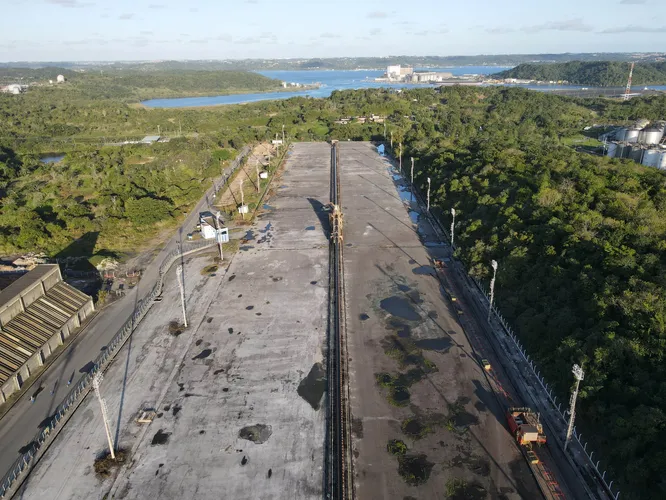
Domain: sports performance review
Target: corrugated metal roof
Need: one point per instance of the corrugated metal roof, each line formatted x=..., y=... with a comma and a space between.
x=25, y=281
x=24, y=335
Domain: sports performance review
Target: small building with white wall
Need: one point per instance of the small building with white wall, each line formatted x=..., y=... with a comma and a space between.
x=60, y=79
x=209, y=227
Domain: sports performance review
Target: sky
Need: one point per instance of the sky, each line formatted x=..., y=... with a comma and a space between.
x=95, y=30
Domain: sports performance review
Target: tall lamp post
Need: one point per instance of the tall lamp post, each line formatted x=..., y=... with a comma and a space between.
x=453, y=225
x=218, y=234
x=181, y=287
x=428, y=197
x=578, y=374
x=492, y=288
x=105, y=417
x=401, y=157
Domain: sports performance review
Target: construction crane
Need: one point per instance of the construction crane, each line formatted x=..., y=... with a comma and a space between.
x=628, y=89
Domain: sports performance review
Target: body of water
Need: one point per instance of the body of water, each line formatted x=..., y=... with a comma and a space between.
x=53, y=158
x=338, y=80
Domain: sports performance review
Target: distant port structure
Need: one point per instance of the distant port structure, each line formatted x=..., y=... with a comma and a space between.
x=405, y=74
x=643, y=141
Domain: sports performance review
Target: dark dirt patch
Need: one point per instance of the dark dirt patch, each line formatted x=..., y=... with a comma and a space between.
x=203, y=354
x=258, y=433
x=396, y=447
x=412, y=261
x=433, y=314
x=363, y=317
x=104, y=464
x=176, y=409
x=209, y=320
x=415, y=428
x=414, y=469
x=257, y=314
x=209, y=269
x=480, y=406
x=400, y=307
x=465, y=419
x=202, y=432
x=198, y=342
x=245, y=248
x=160, y=437
x=244, y=460
x=310, y=228
x=404, y=288
x=230, y=330
x=313, y=282
x=424, y=270
x=232, y=277
x=217, y=372
x=459, y=489
x=278, y=278
x=249, y=308
x=401, y=329
x=438, y=344
x=312, y=387
x=176, y=328
x=357, y=427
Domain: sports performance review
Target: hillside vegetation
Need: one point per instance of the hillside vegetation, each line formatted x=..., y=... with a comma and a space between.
x=595, y=74
x=136, y=85
x=579, y=238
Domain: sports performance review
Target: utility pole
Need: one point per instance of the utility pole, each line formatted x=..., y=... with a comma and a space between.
x=401, y=157
x=412, y=177
x=391, y=141
x=492, y=288
x=384, y=131
x=256, y=167
x=179, y=275
x=218, y=235
x=578, y=374
x=105, y=417
x=158, y=130
x=428, y=197
x=242, y=198
x=453, y=225
x=180, y=129
x=283, y=133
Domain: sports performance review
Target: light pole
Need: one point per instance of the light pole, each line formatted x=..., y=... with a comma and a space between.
x=242, y=198
x=384, y=131
x=492, y=288
x=256, y=167
x=578, y=374
x=453, y=225
x=179, y=275
x=95, y=382
x=401, y=157
x=218, y=235
x=412, y=179
x=428, y=197
x=391, y=142
x=283, y=133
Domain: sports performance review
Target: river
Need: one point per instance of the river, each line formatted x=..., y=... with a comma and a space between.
x=334, y=80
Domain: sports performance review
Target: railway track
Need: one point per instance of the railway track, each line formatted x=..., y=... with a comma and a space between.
x=339, y=477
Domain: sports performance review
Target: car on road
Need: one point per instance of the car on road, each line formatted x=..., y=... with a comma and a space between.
x=486, y=364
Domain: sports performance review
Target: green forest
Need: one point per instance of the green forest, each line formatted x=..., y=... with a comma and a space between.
x=593, y=73
x=136, y=85
x=580, y=238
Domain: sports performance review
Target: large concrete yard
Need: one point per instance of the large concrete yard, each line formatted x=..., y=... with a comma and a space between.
x=397, y=321
x=257, y=328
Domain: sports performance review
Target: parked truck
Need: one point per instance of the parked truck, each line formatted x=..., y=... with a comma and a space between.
x=525, y=426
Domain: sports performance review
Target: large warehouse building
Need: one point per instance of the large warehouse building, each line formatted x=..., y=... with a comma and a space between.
x=37, y=313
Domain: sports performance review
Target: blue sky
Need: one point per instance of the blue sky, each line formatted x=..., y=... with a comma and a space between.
x=70, y=30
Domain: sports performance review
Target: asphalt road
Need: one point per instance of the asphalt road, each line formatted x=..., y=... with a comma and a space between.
x=20, y=425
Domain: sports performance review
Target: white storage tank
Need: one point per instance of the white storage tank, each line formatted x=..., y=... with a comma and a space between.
x=651, y=135
x=661, y=164
x=612, y=148
x=651, y=157
x=632, y=135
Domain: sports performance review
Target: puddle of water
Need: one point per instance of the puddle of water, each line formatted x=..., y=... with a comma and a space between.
x=266, y=206
x=258, y=433
x=405, y=194
x=400, y=307
x=249, y=235
x=310, y=228
x=160, y=437
x=313, y=282
x=245, y=248
x=433, y=314
x=231, y=330
x=414, y=216
x=313, y=386
x=203, y=354
x=232, y=277
x=268, y=227
x=404, y=288
x=480, y=406
x=431, y=244
x=363, y=316
x=176, y=409
x=198, y=342
x=249, y=308
x=412, y=261
x=421, y=270
x=438, y=344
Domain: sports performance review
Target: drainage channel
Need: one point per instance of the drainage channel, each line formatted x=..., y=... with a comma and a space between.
x=339, y=481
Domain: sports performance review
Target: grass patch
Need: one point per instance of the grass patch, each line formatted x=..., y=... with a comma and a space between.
x=396, y=447
x=176, y=328
x=209, y=269
x=459, y=489
x=105, y=465
x=415, y=428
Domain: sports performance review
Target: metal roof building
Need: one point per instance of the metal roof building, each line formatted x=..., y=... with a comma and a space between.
x=37, y=313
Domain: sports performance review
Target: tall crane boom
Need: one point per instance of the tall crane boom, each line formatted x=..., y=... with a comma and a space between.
x=628, y=89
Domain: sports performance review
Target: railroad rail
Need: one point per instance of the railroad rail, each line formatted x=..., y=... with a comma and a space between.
x=339, y=476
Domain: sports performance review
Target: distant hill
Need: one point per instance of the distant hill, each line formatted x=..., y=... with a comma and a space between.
x=595, y=74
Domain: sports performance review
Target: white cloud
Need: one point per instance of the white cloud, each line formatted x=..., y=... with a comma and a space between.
x=375, y=31
x=73, y=4
x=330, y=35
x=125, y=17
x=632, y=28
x=378, y=14
x=634, y=2
x=568, y=25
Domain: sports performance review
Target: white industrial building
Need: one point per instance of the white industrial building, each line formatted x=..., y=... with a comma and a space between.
x=13, y=88
x=642, y=142
x=210, y=227
x=60, y=79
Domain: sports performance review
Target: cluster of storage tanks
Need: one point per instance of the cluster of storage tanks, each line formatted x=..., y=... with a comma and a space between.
x=641, y=142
